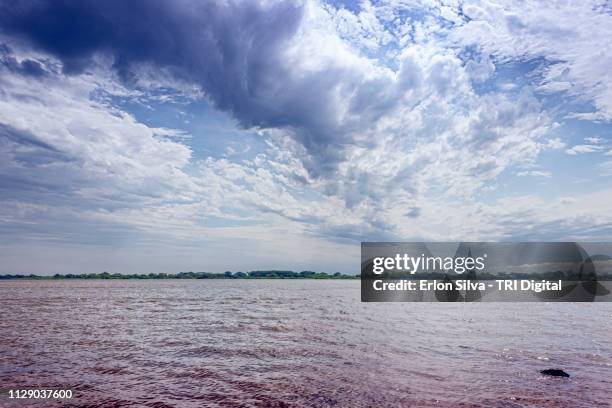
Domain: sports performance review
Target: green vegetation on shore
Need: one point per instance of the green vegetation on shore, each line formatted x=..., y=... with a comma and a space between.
x=193, y=275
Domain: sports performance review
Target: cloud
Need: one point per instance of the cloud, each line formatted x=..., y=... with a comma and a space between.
x=571, y=38
x=61, y=147
x=252, y=59
x=585, y=148
x=593, y=140
x=283, y=65
x=27, y=67
x=357, y=131
x=555, y=143
x=272, y=65
x=535, y=173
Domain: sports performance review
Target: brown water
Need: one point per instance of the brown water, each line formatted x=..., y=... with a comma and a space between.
x=197, y=343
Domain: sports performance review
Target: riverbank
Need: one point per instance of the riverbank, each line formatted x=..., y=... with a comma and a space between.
x=272, y=274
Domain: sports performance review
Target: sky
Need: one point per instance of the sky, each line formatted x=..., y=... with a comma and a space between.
x=185, y=135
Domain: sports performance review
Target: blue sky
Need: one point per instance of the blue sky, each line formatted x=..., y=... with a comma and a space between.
x=180, y=135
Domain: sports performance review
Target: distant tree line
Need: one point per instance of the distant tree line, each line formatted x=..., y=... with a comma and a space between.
x=193, y=275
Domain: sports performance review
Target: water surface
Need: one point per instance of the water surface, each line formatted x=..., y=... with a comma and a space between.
x=194, y=343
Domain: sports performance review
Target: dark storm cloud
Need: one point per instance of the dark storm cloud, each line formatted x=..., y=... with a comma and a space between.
x=26, y=67
x=229, y=48
x=232, y=50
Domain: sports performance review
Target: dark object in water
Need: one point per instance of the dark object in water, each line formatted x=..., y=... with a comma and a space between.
x=555, y=372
